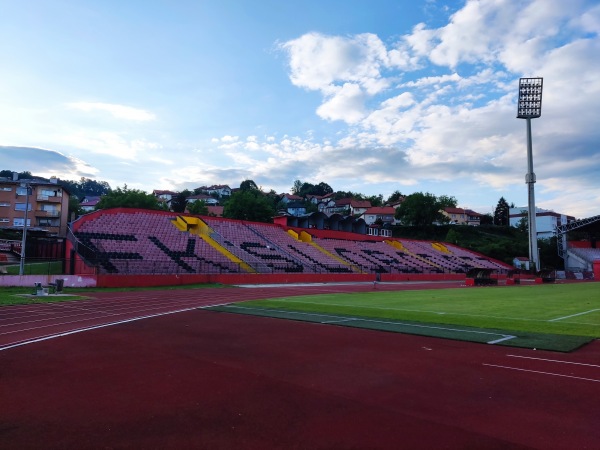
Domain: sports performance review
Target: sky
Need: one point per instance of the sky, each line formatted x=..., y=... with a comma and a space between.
x=368, y=96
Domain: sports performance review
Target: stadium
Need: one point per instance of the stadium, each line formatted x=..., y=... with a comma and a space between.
x=122, y=245
x=182, y=331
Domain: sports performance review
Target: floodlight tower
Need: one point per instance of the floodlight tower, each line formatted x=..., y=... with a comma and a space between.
x=530, y=107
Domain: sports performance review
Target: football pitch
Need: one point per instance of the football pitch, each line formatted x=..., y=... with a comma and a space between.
x=558, y=317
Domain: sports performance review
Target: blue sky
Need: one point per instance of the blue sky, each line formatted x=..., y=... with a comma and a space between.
x=367, y=96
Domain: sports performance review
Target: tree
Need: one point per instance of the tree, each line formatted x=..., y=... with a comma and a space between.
x=322, y=189
x=452, y=236
x=501, y=213
x=395, y=197
x=248, y=185
x=420, y=209
x=20, y=176
x=86, y=187
x=297, y=187
x=523, y=224
x=375, y=200
x=179, y=201
x=128, y=198
x=249, y=205
x=303, y=189
x=74, y=208
x=198, y=207
x=446, y=201
x=486, y=219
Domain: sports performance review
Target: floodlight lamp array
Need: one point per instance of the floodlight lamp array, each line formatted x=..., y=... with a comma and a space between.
x=530, y=98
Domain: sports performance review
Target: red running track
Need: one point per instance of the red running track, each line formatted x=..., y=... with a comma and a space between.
x=202, y=379
x=24, y=324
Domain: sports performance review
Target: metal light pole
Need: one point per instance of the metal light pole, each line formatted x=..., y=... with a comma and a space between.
x=530, y=107
x=24, y=237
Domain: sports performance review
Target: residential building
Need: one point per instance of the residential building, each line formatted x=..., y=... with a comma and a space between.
x=43, y=203
x=221, y=189
x=290, y=198
x=295, y=208
x=344, y=206
x=545, y=221
x=88, y=204
x=384, y=214
x=461, y=216
x=203, y=197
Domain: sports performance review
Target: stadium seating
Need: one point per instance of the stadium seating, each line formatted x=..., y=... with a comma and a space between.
x=146, y=242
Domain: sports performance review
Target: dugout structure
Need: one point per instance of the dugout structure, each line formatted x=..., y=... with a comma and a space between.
x=481, y=277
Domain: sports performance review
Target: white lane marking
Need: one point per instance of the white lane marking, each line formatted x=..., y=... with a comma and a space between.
x=358, y=319
x=338, y=321
x=574, y=315
x=543, y=373
x=116, y=309
x=95, y=327
x=507, y=337
x=554, y=360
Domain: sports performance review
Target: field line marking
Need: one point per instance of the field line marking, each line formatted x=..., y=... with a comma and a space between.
x=359, y=319
x=574, y=315
x=554, y=360
x=414, y=310
x=543, y=373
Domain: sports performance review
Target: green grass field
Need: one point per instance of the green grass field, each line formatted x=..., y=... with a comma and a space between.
x=40, y=268
x=553, y=316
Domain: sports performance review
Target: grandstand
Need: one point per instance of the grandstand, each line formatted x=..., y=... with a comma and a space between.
x=124, y=241
x=581, y=256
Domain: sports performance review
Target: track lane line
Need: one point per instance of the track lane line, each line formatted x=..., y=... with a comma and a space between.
x=554, y=360
x=541, y=372
x=95, y=327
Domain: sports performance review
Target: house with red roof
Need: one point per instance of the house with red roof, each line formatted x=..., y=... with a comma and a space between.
x=461, y=216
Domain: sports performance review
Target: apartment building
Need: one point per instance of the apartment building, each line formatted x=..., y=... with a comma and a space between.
x=43, y=203
x=546, y=221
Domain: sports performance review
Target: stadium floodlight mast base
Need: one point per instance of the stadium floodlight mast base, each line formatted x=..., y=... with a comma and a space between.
x=530, y=107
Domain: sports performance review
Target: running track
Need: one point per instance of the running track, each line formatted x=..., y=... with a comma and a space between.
x=23, y=324
x=202, y=379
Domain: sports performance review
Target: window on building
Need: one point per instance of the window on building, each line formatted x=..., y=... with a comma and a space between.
x=23, y=190
x=20, y=222
x=4, y=204
x=21, y=207
x=4, y=220
x=45, y=222
x=5, y=189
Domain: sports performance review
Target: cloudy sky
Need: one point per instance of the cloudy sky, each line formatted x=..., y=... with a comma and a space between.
x=367, y=96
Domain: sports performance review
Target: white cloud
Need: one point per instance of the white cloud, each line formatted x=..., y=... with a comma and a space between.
x=117, y=111
x=111, y=143
x=346, y=103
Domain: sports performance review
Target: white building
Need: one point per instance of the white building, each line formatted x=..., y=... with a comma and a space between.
x=545, y=221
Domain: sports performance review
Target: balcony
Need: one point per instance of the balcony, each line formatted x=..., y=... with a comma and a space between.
x=42, y=213
x=49, y=198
